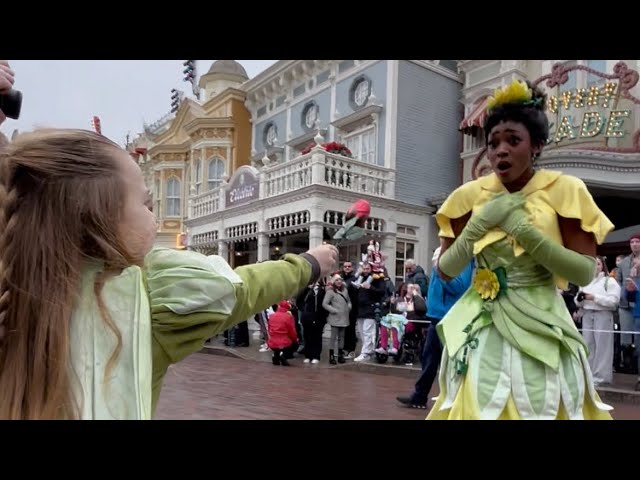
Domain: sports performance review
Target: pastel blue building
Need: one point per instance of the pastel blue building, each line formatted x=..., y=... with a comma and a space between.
x=400, y=121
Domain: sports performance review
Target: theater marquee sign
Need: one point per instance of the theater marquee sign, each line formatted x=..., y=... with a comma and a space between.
x=598, y=117
x=593, y=115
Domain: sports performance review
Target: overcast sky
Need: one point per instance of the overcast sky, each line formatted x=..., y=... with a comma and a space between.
x=123, y=93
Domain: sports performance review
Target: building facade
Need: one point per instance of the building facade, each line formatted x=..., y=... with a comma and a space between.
x=399, y=123
x=193, y=152
x=594, y=114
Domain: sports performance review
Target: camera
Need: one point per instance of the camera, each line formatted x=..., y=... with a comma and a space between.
x=11, y=103
x=580, y=296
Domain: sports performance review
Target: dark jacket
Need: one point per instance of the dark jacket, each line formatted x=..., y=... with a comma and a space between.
x=420, y=278
x=310, y=305
x=368, y=297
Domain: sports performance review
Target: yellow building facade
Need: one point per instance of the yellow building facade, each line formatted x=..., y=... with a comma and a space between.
x=196, y=150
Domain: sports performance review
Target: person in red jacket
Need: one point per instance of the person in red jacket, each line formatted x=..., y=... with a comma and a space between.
x=282, y=332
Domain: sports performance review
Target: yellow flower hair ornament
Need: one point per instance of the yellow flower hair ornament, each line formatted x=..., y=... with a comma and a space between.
x=516, y=92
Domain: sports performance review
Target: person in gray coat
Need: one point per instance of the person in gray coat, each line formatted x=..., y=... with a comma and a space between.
x=337, y=303
x=625, y=312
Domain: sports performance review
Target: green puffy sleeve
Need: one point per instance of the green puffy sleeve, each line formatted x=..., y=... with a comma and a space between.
x=193, y=297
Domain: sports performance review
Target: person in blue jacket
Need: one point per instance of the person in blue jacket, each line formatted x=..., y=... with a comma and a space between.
x=632, y=287
x=442, y=296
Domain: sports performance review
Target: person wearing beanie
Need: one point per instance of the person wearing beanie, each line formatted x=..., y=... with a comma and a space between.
x=338, y=304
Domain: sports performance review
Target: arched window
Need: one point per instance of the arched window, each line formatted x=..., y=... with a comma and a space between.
x=173, y=197
x=216, y=171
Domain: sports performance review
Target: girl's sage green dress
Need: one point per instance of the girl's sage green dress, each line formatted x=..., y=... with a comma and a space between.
x=518, y=355
x=163, y=312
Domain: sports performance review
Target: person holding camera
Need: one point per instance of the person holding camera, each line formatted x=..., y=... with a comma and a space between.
x=7, y=79
x=598, y=301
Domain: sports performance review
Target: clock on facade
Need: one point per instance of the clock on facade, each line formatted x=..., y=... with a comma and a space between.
x=311, y=116
x=271, y=135
x=361, y=93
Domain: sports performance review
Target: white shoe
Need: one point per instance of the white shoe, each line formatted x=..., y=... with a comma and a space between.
x=306, y=360
x=363, y=357
x=393, y=351
x=381, y=351
x=315, y=360
x=264, y=348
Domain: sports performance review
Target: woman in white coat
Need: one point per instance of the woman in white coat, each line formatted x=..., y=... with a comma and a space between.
x=599, y=300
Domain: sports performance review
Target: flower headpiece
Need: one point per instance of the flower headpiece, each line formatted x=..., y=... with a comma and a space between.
x=516, y=92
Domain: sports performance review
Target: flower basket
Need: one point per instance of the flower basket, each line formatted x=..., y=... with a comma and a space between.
x=331, y=147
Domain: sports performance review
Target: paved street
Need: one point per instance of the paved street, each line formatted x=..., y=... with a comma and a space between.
x=215, y=387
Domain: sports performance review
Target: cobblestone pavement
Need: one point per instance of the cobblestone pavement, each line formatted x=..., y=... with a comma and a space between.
x=214, y=387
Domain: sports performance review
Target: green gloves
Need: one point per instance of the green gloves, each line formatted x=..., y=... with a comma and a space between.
x=575, y=267
x=505, y=210
x=458, y=255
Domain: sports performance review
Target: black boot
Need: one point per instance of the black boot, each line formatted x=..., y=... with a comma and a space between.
x=275, y=359
x=283, y=360
x=340, y=356
x=332, y=358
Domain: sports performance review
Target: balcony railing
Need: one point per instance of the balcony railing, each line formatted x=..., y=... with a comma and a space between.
x=315, y=168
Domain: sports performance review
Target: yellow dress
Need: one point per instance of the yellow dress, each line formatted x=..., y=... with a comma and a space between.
x=519, y=356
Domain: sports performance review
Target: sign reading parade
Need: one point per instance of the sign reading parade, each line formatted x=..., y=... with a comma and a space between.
x=600, y=115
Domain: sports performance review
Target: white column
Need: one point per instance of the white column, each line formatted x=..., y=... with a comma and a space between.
x=317, y=167
x=263, y=247
x=431, y=241
x=332, y=107
x=316, y=220
x=223, y=250
x=388, y=247
x=315, y=235
x=288, y=132
x=391, y=119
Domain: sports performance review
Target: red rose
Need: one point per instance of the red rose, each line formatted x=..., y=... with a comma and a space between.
x=361, y=209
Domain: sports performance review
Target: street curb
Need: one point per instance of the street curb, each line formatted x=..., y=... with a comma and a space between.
x=607, y=394
x=225, y=352
x=618, y=395
x=383, y=369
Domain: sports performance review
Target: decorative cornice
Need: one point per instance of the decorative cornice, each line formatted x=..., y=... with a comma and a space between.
x=268, y=75
x=624, y=167
x=306, y=138
x=228, y=94
x=219, y=124
x=439, y=69
x=169, y=148
x=347, y=121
